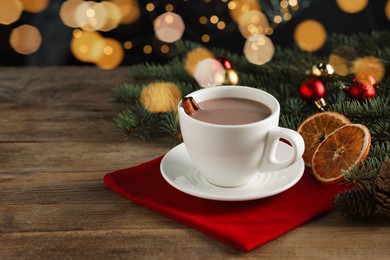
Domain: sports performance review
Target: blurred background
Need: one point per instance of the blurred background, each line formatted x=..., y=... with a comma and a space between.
x=113, y=33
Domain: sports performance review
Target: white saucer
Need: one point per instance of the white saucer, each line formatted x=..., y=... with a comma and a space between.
x=177, y=169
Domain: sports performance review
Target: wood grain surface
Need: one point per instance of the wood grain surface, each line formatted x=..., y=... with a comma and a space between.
x=57, y=141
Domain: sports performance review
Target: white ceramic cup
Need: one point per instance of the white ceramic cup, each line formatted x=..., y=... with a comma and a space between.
x=232, y=155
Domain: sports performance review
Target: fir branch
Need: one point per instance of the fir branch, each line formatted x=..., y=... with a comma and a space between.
x=138, y=122
x=291, y=121
x=374, y=107
x=379, y=128
x=169, y=124
x=293, y=106
x=171, y=71
x=126, y=93
x=364, y=175
x=363, y=44
x=380, y=150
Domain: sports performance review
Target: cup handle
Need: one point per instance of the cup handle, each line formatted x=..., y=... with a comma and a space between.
x=269, y=161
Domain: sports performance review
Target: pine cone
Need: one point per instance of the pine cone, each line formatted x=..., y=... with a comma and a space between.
x=355, y=203
x=382, y=189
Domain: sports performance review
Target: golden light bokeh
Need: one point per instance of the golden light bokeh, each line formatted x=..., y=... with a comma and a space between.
x=128, y=45
x=194, y=56
x=160, y=97
x=164, y=49
x=352, y=6
x=150, y=7
x=387, y=10
x=278, y=19
x=252, y=23
x=130, y=10
x=91, y=16
x=169, y=27
x=221, y=25
x=169, y=8
x=310, y=35
x=368, y=69
x=147, y=49
x=240, y=7
x=34, y=6
x=113, y=16
x=214, y=19
x=259, y=49
x=87, y=46
x=25, y=39
x=203, y=20
x=112, y=54
x=205, y=37
x=10, y=11
x=341, y=59
x=67, y=12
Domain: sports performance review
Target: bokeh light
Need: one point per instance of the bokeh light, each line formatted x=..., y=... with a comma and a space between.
x=160, y=97
x=169, y=8
x=209, y=72
x=240, y=7
x=10, y=11
x=368, y=69
x=205, y=37
x=113, y=16
x=387, y=10
x=91, y=16
x=221, y=25
x=169, y=27
x=214, y=19
x=310, y=35
x=194, y=56
x=203, y=19
x=112, y=55
x=252, y=23
x=87, y=46
x=25, y=39
x=352, y=6
x=130, y=10
x=128, y=45
x=147, y=49
x=150, y=7
x=259, y=49
x=67, y=12
x=341, y=59
x=34, y=6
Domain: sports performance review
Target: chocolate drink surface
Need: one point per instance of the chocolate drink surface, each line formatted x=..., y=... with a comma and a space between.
x=231, y=111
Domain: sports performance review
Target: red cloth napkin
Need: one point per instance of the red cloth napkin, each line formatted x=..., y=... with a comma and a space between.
x=244, y=225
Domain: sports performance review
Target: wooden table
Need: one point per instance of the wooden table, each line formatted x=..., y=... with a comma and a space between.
x=57, y=141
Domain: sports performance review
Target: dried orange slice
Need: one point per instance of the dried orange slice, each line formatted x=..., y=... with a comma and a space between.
x=341, y=150
x=316, y=128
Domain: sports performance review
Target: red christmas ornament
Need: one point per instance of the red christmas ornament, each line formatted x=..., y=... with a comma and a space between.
x=361, y=91
x=313, y=90
x=225, y=62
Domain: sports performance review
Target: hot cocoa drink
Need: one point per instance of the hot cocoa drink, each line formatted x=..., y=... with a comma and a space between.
x=231, y=111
